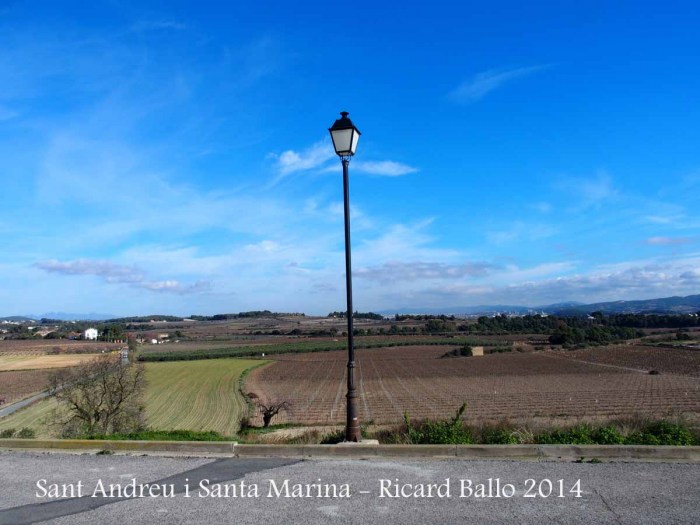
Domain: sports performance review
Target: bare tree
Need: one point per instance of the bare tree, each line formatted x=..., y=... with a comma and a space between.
x=270, y=409
x=102, y=396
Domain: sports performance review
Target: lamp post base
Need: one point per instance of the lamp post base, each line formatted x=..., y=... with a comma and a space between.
x=353, y=433
x=362, y=442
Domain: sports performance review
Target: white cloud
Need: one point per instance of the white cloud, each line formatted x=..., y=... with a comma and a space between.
x=515, y=274
x=589, y=192
x=663, y=219
x=120, y=274
x=544, y=284
x=265, y=246
x=483, y=83
x=314, y=156
x=387, y=168
x=414, y=271
x=317, y=156
x=177, y=287
x=110, y=272
x=519, y=231
x=403, y=242
x=668, y=241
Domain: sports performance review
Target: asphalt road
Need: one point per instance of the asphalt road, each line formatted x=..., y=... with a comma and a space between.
x=32, y=489
x=6, y=410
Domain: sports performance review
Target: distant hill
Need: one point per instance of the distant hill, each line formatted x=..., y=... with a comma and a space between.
x=461, y=310
x=16, y=319
x=666, y=305
x=146, y=319
x=63, y=316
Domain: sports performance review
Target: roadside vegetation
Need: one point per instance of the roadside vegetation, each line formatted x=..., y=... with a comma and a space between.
x=22, y=433
x=623, y=431
x=454, y=431
x=166, y=435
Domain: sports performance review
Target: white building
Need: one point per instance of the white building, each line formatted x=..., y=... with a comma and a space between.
x=91, y=333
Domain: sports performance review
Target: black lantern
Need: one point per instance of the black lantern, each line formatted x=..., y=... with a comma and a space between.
x=345, y=136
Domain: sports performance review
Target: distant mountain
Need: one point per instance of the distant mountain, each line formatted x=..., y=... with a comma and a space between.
x=63, y=316
x=16, y=319
x=666, y=305
x=461, y=310
x=556, y=306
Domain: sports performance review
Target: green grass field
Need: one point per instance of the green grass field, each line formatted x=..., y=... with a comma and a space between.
x=196, y=395
x=190, y=395
x=33, y=417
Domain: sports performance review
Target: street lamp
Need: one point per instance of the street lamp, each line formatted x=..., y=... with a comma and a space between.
x=345, y=136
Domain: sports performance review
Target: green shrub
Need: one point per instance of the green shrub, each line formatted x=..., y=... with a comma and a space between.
x=578, y=435
x=451, y=432
x=333, y=438
x=662, y=433
x=499, y=436
x=7, y=433
x=454, y=431
x=444, y=433
x=608, y=436
x=465, y=351
x=26, y=433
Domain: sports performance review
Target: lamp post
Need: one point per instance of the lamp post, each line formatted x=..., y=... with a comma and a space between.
x=345, y=136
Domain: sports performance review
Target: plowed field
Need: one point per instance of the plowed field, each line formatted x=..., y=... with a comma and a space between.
x=516, y=386
x=668, y=360
x=15, y=386
x=29, y=347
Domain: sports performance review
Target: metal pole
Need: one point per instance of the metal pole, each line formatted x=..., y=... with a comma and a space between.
x=352, y=429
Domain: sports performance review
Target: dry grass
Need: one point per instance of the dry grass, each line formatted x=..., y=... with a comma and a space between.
x=39, y=362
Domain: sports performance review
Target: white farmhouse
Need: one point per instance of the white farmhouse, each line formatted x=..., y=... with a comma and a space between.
x=91, y=334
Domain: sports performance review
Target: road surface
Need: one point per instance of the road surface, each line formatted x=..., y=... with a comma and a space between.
x=6, y=410
x=36, y=488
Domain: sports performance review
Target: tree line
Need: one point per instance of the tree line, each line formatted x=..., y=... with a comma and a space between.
x=358, y=315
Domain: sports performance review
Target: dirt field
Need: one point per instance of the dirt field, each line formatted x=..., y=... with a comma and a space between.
x=53, y=346
x=38, y=362
x=511, y=385
x=15, y=386
x=667, y=360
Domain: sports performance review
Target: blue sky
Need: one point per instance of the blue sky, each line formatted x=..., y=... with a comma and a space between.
x=173, y=157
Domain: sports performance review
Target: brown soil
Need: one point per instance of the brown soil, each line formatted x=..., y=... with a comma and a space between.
x=513, y=385
x=667, y=360
x=15, y=386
